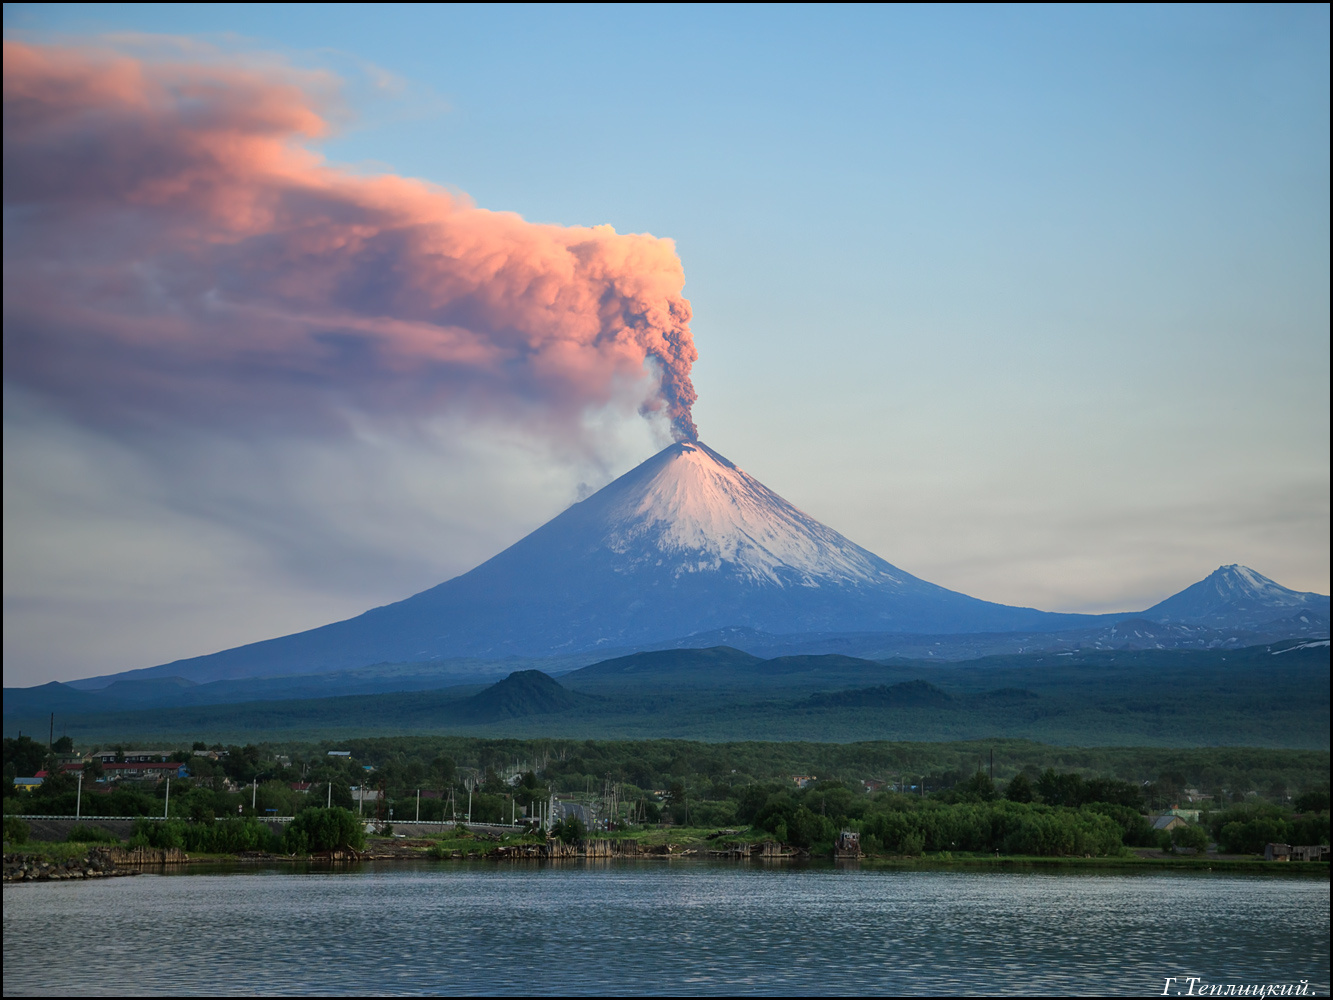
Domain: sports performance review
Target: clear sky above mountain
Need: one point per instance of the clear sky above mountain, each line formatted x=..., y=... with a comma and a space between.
x=1030, y=301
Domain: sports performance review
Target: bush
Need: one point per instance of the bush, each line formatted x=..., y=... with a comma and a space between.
x=1250, y=837
x=228, y=836
x=1312, y=828
x=323, y=830
x=16, y=831
x=1135, y=830
x=806, y=829
x=1012, y=827
x=80, y=834
x=1190, y=837
x=570, y=830
x=1061, y=832
x=896, y=833
x=713, y=813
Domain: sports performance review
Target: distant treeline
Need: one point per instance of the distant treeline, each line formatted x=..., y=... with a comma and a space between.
x=1059, y=814
x=722, y=784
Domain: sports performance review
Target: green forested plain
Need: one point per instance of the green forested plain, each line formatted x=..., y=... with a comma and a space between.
x=1259, y=697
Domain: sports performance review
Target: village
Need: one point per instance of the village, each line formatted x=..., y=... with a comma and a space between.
x=116, y=789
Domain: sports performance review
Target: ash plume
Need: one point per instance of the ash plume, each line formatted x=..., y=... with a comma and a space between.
x=175, y=249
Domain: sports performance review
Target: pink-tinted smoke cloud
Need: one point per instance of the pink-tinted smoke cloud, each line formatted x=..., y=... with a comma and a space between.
x=174, y=249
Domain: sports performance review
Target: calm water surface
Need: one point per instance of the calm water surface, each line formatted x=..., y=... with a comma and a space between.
x=660, y=928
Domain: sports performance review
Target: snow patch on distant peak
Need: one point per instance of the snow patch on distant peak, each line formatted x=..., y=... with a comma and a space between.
x=1236, y=580
x=700, y=513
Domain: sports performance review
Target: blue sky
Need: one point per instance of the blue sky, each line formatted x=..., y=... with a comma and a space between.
x=1032, y=301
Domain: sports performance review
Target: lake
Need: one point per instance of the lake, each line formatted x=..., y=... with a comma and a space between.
x=676, y=927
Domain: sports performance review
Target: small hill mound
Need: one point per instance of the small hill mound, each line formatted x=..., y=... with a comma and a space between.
x=813, y=663
x=524, y=692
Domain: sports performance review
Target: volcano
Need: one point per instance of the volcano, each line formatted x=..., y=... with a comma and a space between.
x=1237, y=597
x=684, y=543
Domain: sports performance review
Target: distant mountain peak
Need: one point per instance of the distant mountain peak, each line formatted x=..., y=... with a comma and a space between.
x=1236, y=596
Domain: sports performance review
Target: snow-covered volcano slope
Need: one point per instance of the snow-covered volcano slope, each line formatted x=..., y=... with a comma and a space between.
x=684, y=543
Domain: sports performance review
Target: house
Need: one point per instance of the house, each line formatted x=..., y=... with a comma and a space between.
x=301, y=786
x=1168, y=821
x=802, y=780
x=144, y=770
x=27, y=784
x=873, y=784
x=132, y=756
x=147, y=756
x=340, y=753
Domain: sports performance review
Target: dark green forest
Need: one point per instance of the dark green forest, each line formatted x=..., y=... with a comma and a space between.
x=1252, y=697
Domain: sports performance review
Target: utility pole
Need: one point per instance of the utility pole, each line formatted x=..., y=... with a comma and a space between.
x=78, y=798
x=469, y=802
x=330, y=787
x=254, y=791
x=166, y=803
x=418, y=805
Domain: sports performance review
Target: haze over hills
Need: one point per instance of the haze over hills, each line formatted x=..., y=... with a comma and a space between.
x=689, y=550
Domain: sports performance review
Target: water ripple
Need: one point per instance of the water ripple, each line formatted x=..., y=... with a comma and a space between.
x=660, y=929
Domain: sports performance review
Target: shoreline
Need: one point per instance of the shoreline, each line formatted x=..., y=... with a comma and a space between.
x=32, y=864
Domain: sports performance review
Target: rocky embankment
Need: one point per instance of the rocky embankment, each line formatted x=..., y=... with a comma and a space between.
x=97, y=863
